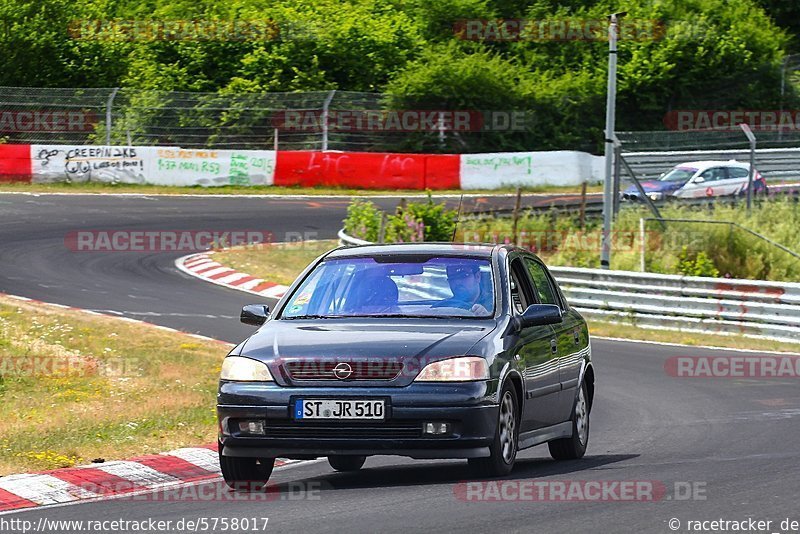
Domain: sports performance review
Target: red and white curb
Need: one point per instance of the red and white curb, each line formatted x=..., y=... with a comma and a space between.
x=114, y=479
x=109, y=478
x=204, y=267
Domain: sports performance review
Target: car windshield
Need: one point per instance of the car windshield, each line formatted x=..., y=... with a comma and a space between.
x=395, y=287
x=678, y=174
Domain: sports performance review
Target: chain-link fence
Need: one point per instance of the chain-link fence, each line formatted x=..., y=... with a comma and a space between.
x=322, y=120
x=729, y=138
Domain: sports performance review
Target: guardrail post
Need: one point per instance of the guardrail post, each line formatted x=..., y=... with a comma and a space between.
x=611, y=102
x=325, y=107
x=515, y=221
x=752, y=139
x=109, y=103
x=643, y=248
x=617, y=175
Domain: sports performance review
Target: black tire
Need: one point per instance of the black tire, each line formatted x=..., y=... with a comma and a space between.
x=575, y=447
x=503, y=450
x=246, y=474
x=347, y=463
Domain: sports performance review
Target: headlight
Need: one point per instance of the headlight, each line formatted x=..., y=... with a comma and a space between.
x=655, y=196
x=244, y=370
x=455, y=370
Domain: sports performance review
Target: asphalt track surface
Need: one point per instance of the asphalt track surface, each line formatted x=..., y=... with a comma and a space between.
x=734, y=441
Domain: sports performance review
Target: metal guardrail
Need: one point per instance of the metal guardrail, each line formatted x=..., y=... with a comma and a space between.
x=776, y=164
x=754, y=308
x=710, y=305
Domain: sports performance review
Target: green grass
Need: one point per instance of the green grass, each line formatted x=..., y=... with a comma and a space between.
x=75, y=387
x=262, y=190
x=279, y=263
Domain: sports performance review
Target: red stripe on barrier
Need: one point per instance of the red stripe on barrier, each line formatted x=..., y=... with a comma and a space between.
x=9, y=501
x=174, y=466
x=15, y=163
x=97, y=481
x=363, y=170
x=443, y=171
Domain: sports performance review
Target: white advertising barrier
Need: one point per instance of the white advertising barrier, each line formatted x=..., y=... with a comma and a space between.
x=565, y=167
x=151, y=165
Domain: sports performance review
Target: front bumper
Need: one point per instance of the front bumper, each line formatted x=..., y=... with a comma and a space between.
x=470, y=409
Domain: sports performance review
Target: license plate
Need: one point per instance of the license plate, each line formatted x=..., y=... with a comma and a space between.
x=339, y=409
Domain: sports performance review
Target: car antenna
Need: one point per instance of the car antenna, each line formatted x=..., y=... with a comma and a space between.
x=458, y=215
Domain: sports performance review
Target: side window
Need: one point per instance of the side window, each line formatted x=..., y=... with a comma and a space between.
x=738, y=172
x=714, y=174
x=521, y=296
x=544, y=290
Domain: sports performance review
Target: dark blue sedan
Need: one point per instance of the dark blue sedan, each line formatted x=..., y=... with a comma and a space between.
x=421, y=350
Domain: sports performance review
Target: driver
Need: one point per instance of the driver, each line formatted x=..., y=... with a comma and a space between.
x=465, y=283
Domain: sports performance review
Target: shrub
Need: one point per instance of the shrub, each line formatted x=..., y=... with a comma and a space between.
x=421, y=221
x=363, y=220
x=699, y=265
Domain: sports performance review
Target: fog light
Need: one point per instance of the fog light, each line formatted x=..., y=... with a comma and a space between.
x=436, y=428
x=252, y=427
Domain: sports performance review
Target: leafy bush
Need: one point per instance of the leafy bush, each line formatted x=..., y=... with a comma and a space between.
x=363, y=220
x=421, y=221
x=699, y=265
x=414, y=221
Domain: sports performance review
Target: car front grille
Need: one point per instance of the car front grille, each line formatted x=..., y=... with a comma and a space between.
x=343, y=430
x=361, y=370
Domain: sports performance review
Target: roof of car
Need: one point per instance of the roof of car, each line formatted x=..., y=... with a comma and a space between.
x=446, y=249
x=704, y=164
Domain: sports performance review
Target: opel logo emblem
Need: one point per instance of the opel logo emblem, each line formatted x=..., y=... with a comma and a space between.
x=342, y=371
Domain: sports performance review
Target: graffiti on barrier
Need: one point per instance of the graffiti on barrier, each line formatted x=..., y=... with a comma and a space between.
x=152, y=165
x=88, y=164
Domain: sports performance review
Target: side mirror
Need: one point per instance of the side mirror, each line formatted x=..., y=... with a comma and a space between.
x=539, y=315
x=254, y=314
x=699, y=180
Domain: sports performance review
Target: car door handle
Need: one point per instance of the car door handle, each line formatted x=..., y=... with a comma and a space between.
x=577, y=334
x=553, y=346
